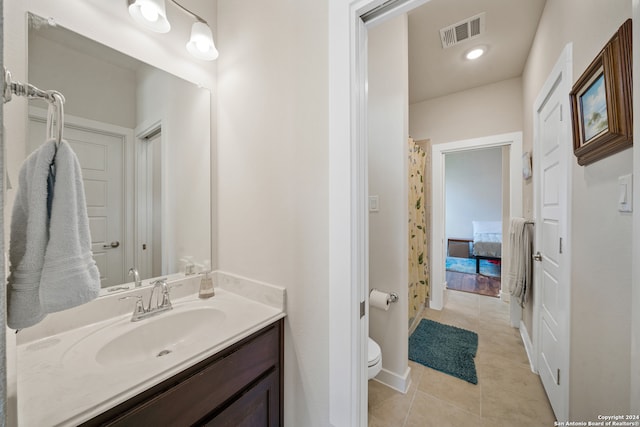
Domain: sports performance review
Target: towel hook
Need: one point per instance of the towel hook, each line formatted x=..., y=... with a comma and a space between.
x=55, y=116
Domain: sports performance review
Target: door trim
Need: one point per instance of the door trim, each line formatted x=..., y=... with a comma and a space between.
x=348, y=262
x=437, y=247
x=561, y=77
x=635, y=278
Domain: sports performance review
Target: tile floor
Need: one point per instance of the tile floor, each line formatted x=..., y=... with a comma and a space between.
x=507, y=393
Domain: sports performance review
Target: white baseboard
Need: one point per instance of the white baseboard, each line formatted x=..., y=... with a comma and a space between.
x=515, y=313
x=528, y=346
x=397, y=382
x=417, y=319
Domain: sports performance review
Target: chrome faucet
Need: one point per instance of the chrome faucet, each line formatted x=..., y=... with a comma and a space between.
x=163, y=302
x=136, y=276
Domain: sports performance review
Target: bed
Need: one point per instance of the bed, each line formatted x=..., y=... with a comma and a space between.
x=487, y=241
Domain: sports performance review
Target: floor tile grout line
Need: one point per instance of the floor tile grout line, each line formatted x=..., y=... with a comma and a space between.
x=406, y=416
x=413, y=398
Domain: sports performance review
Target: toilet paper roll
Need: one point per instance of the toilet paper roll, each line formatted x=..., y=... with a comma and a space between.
x=379, y=299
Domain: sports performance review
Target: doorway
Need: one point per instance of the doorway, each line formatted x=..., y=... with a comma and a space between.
x=474, y=220
x=349, y=205
x=512, y=207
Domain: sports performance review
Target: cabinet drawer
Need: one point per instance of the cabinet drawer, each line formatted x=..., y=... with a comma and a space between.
x=198, y=395
x=257, y=406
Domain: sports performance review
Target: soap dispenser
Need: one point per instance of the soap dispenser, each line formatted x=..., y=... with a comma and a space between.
x=206, y=283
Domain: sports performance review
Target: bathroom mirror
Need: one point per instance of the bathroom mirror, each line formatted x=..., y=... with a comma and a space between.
x=142, y=137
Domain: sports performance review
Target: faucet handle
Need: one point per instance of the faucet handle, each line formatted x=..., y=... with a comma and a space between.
x=139, y=307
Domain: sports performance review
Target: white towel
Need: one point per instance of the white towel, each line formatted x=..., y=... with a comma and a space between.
x=519, y=275
x=28, y=241
x=70, y=276
x=52, y=268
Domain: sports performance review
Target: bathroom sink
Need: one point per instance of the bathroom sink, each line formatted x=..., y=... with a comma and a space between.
x=152, y=338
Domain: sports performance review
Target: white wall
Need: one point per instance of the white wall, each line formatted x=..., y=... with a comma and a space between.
x=487, y=110
x=274, y=176
x=388, y=179
x=601, y=242
x=473, y=190
x=93, y=79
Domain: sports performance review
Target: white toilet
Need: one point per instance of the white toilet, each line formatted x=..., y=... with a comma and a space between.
x=374, y=359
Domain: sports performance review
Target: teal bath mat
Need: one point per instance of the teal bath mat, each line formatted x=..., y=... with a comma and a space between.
x=445, y=348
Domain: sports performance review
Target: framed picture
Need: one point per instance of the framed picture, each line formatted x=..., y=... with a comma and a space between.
x=601, y=102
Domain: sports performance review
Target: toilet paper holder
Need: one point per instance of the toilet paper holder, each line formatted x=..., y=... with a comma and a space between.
x=393, y=296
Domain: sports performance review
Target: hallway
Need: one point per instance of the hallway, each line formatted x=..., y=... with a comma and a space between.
x=507, y=393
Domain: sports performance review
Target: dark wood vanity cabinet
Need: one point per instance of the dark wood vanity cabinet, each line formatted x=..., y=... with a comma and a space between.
x=239, y=386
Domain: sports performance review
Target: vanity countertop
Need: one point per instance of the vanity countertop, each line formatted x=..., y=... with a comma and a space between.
x=62, y=379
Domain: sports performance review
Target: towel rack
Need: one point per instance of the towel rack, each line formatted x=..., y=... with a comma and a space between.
x=55, y=99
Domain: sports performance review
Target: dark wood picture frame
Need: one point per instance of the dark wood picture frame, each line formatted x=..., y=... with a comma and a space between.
x=605, y=129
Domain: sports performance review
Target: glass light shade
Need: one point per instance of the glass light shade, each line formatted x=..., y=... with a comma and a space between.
x=151, y=14
x=201, y=43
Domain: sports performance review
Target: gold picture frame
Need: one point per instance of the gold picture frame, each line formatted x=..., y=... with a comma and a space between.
x=601, y=102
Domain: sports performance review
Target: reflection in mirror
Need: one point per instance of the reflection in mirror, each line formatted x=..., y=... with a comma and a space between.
x=142, y=137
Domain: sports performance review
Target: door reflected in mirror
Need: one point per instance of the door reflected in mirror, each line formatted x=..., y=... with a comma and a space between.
x=142, y=137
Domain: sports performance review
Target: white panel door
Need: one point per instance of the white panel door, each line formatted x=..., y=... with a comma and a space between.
x=551, y=270
x=101, y=158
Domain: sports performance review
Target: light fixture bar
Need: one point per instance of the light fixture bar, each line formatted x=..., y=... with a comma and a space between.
x=197, y=17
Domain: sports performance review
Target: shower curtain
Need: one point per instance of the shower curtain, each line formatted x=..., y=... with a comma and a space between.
x=418, y=260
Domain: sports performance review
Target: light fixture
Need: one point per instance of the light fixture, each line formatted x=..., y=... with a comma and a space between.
x=201, y=43
x=152, y=15
x=475, y=53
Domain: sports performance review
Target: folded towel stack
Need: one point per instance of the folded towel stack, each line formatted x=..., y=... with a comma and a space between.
x=52, y=268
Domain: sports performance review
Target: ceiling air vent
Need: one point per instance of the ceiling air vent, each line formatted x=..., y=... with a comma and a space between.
x=468, y=29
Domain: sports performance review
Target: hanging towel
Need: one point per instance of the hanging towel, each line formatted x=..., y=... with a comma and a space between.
x=519, y=276
x=28, y=241
x=70, y=276
x=52, y=268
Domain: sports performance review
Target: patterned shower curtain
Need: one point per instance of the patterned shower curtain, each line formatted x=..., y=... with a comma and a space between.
x=418, y=260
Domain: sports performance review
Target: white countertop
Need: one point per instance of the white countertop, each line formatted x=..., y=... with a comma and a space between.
x=60, y=382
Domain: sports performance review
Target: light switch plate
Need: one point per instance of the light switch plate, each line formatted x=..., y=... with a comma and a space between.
x=373, y=204
x=625, y=193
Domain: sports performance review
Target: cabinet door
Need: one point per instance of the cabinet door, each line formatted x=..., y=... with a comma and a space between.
x=259, y=406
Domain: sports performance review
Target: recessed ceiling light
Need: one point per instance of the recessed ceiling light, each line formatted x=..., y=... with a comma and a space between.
x=475, y=53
